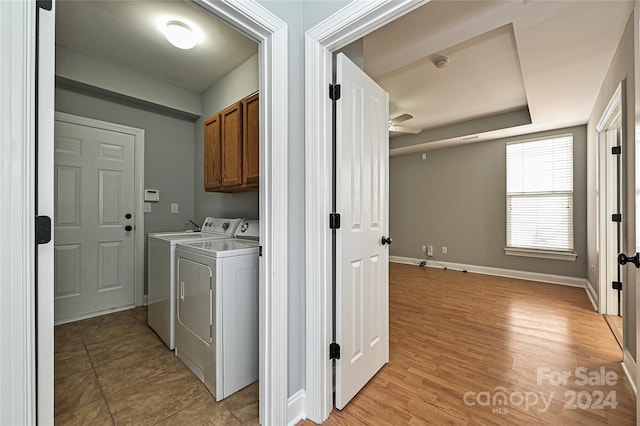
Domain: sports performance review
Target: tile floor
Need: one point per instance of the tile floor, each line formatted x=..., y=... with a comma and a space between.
x=113, y=370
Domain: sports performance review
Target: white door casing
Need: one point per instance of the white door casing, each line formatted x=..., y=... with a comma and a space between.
x=96, y=259
x=17, y=115
x=45, y=207
x=362, y=261
x=349, y=24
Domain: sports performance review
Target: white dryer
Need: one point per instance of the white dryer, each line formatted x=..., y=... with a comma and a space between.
x=217, y=310
x=161, y=272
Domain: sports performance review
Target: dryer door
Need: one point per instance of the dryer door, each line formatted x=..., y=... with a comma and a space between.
x=196, y=298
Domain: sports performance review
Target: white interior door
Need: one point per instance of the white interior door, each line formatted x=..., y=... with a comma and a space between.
x=94, y=208
x=362, y=261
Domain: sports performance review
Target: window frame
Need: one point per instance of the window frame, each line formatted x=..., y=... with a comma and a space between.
x=546, y=253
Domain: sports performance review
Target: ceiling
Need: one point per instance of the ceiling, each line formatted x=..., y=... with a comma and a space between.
x=515, y=67
x=126, y=33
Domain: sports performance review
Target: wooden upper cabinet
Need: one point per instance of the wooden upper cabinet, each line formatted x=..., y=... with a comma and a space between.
x=212, y=166
x=231, y=151
x=251, y=141
x=231, y=147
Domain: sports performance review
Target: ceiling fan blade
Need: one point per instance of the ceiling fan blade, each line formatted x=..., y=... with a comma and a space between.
x=400, y=129
x=400, y=119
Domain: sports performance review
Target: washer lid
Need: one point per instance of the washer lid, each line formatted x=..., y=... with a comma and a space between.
x=220, y=248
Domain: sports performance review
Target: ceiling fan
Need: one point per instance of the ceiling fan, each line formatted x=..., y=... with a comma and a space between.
x=400, y=129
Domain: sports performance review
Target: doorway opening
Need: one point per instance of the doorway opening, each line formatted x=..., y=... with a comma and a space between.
x=610, y=208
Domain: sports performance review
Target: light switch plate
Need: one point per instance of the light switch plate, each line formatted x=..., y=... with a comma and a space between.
x=147, y=207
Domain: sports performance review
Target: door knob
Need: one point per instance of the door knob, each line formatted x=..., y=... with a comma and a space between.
x=623, y=259
x=128, y=228
x=386, y=240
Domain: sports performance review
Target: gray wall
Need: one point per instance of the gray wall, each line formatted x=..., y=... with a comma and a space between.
x=231, y=88
x=168, y=154
x=299, y=16
x=456, y=198
x=622, y=68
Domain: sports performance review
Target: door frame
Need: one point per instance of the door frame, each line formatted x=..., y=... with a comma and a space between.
x=18, y=401
x=138, y=192
x=257, y=23
x=612, y=116
x=349, y=24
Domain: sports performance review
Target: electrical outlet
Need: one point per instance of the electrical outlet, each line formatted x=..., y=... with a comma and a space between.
x=424, y=249
x=444, y=250
x=174, y=208
x=429, y=250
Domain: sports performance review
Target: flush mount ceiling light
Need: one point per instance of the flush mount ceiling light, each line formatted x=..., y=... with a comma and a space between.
x=181, y=34
x=441, y=62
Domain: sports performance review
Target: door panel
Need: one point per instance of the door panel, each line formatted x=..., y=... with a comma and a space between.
x=94, y=190
x=362, y=308
x=232, y=147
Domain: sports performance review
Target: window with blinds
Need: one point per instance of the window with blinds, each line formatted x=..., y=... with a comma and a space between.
x=540, y=194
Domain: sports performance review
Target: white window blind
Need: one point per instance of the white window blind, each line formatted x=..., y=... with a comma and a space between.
x=540, y=194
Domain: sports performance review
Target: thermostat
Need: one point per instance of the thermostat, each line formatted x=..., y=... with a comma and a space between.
x=151, y=195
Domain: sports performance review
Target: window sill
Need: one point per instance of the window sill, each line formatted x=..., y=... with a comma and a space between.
x=542, y=254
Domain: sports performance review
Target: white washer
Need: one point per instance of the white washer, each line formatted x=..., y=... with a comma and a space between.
x=217, y=310
x=161, y=273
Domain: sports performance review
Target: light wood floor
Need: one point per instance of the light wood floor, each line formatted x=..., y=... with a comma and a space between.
x=113, y=370
x=452, y=333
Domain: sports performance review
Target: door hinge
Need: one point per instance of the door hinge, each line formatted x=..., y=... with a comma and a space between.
x=334, y=221
x=260, y=251
x=44, y=4
x=616, y=217
x=43, y=229
x=334, y=92
x=616, y=150
x=616, y=285
x=334, y=351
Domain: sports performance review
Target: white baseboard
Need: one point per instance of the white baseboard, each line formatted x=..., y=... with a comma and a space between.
x=296, y=407
x=93, y=314
x=592, y=294
x=630, y=370
x=499, y=272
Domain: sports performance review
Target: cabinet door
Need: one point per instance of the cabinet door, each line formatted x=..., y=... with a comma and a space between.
x=231, y=152
x=251, y=141
x=212, y=166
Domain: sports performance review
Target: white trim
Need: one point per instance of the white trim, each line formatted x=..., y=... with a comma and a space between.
x=94, y=314
x=138, y=161
x=17, y=195
x=498, y=272
x=345, y=26
x=591, y=292
x=630, y=370
x=296, y=408
x=258, y=23
x=45, y=207
x=541, y=254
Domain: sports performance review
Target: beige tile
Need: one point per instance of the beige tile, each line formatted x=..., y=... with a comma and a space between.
x=95, y=414
x=155, y=399
x=140, y=314
x=244, y=404
x=109, y=327
x=122, y=346
x=74, y=391
x=124, y=372
x=206, y=411
x=66, y=337
x=70, y=362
